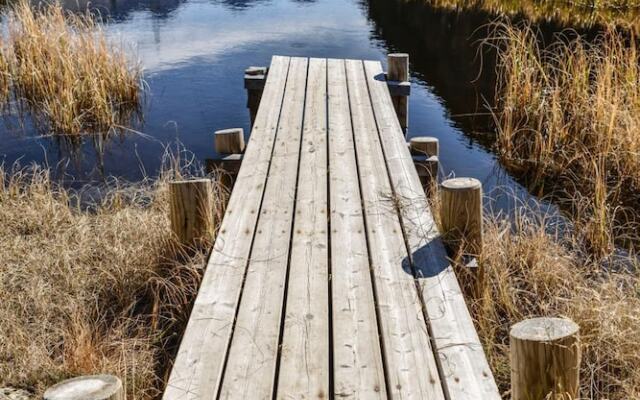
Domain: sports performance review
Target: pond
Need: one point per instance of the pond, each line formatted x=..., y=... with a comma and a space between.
x=194, y=53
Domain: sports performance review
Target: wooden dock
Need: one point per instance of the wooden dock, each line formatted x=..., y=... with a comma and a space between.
x=328, y=278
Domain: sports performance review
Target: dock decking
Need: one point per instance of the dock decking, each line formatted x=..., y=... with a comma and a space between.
x=328, y=278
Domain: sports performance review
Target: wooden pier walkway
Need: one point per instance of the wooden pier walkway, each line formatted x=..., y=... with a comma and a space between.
x=328, y=278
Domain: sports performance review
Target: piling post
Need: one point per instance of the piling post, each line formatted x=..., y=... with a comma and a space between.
x=461, y=215
x=229, y=141
x=94, y=387
x=545, y=359
x=254, y=81
x=398, y=76
x=191, y=210
x=425, y=150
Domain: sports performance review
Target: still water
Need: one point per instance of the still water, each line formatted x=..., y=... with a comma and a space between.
x=194, y=53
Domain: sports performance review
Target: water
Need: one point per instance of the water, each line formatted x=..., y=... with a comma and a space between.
x=194, y=53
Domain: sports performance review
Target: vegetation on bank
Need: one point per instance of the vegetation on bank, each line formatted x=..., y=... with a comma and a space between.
x=61, y=68
x=98, y=289
x=527, y=271
x=575, y=13
x=568, y=121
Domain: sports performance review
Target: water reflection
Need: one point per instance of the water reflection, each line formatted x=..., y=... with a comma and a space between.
x=445, y=55
x=195, y=51
x=120, y=10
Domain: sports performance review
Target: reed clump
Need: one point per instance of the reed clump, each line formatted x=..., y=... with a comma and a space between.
x=66, y=73
x=568, y=117
x=580, y=13
x=98, y=289
x=527, y=271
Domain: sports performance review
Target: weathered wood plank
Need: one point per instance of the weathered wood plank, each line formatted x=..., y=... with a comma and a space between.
x=304, y=363
x=462, y=361
x=251, y=365
x=409, y=359
x=357, y=361
x=197, y=370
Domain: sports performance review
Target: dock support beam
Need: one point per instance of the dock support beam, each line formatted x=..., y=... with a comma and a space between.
x=229, y=144
x=545, y=359
x=229, y=141
x=461, y=215
x=102, y=387
x=191, y=211
x=398, y=83
x=254, y=81
x=425, y=151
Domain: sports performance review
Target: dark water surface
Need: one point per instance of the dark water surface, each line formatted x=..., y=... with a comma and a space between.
x=194, y=53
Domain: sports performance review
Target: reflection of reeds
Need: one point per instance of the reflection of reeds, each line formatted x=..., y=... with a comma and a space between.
x=578, y=13
x=65, y=71
x=569, y=120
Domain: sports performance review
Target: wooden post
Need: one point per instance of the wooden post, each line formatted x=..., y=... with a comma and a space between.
x=229, y=141
x=254, y=81
x=226, y=167
x=191, y=210
x=398, y=72
x=92, y=387
x=424, y=150
x=461, y=215
x=424, y=145
x=545, y=359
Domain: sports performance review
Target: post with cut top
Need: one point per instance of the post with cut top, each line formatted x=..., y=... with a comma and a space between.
x=461, y=215
x=398, y=79
x=229, y=141
x=229, y=144
x=545, y=359
x=425, y=151
x=254, y=81
x=94, y=387
x=191, y=211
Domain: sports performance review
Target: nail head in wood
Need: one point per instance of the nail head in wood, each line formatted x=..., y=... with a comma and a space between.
x=545, y=359
x=191, y=210
x=92, y=387
x=229, y=141
x=461, y=215
x=424, y=145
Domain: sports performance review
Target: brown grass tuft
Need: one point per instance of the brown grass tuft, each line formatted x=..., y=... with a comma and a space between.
x=66, y=72
x=575, y=13
x=88, y=291
x=528, y=272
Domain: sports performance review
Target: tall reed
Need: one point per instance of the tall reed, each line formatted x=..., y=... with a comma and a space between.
x=568, y=120
x=66, y=72
x=578, y=13
x=5, y=75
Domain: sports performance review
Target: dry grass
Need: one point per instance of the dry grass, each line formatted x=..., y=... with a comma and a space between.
x=576, y=13
x=525, y=271
x=66, y=73
x=5, y=76
x=87, y=291
x=568, y=117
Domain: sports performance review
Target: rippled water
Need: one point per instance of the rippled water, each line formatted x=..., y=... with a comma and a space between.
x=194, y=53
